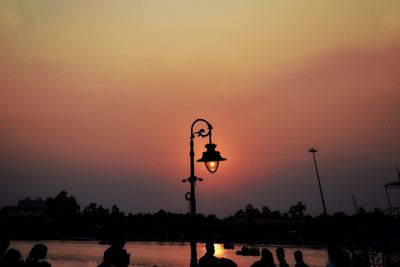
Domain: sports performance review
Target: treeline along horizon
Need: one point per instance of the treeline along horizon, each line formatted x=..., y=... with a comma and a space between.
x=61, y=217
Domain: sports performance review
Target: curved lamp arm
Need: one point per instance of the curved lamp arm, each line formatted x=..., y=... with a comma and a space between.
x=202, y=132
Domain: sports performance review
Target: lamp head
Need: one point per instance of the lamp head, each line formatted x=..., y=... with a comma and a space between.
x=211, y=158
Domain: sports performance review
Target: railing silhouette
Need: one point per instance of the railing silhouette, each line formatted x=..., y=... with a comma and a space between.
x=394, y=211
x=379, y=242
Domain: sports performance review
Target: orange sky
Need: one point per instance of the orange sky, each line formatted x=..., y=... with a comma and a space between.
x=97, y=98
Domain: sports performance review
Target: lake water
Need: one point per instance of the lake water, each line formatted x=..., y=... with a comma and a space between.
x=90, y=253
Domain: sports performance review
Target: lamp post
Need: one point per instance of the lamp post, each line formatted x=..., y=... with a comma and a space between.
x=313, y=151
x=211, y=159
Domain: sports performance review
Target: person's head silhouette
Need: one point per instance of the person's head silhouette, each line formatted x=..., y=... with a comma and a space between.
x=4, y=244
x=298, y=256
x=266, y=255
x=12, y=257
x=210, y=248
x=38, y=252
x=280, y=254
x=118, y=242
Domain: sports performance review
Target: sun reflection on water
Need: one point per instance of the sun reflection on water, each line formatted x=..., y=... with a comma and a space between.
x=219, y=250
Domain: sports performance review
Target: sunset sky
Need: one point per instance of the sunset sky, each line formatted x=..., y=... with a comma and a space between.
x=97, y=98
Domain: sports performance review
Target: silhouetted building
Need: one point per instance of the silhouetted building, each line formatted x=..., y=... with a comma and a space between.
x=32, y=204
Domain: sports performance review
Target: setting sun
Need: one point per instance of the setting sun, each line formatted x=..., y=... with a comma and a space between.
x=219, y=250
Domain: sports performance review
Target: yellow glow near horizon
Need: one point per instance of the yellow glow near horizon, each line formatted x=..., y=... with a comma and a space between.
x=219, y=250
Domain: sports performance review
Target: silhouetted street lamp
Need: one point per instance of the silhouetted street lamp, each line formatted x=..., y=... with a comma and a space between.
x=211, y=159
x=313, y=151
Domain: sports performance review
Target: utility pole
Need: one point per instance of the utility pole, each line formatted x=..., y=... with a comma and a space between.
x=313, y=151
x=355, y=203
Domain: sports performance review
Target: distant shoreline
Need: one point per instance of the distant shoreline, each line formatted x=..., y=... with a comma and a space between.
x=92, y=240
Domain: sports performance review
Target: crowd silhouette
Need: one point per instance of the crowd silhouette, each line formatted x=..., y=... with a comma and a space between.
x=117, y=256
x=336, y=258
x=266, y=260
x=11, y=257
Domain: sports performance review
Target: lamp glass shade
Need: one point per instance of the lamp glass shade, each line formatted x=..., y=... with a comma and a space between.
x=211, y=166
x=211, y=158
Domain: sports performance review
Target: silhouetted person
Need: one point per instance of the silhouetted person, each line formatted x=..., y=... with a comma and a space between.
x=298, y=257
x=4, y=244
x=12, y=258
x=333, y=256
x=360, y=259
x=337, y=257
x=224, y=262
x=116, y=255
x=280, y=255
x=37, y=256
x=344, y=259
x=209, y=260
x=267, y=259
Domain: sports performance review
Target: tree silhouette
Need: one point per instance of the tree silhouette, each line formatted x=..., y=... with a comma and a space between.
x=252, y=212
x=266, y=212
x=95, y=210
x=62, y=205
x=239, y=214
x=276, y=214
x=115, y=211
x=297, y=211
